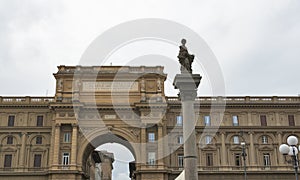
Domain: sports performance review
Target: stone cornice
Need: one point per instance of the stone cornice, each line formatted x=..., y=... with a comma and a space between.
x=110, y=69
x=203, y=102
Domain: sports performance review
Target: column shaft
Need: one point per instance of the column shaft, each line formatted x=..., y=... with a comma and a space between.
x=22, y=150
x=252, y=151
x=223, y=151
x=74, y=146
x=280, y=156
x=160, y=145
x=250, y=123
x=56, y=145
x=190, y=153
x=278, y=123
x=143, y=146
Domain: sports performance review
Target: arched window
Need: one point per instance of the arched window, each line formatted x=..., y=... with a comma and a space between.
x=264, y=139
x=208, y=139
x=10, y=139
x=236, y=140
x=180, y=139
x=39, y=140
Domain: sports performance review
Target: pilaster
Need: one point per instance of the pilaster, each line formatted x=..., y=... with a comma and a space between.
x=56, y=149
x=252, y=150
x=223, y=150
x=23, y=150
x=143, y=146
x=160, y=145
x=279, y=155
x=74, y=146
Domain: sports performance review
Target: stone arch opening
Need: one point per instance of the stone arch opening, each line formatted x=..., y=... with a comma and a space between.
x=123, y=159
x=97, y=141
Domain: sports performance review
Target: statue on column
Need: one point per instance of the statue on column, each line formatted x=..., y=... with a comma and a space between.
x=185, y=59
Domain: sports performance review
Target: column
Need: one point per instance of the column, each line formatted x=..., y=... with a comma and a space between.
x=190, y=154
x=279, y=155
x=187, y=84
x=276, y=156
x=56, y=145
x=74, y=145
x=277, y=119
x=252, y=151
x=160, y=145
x=23, y=150
x=223, y=150
x=250, y=123
x=143, y=156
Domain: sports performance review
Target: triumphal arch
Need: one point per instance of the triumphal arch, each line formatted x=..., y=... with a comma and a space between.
x=55, y=137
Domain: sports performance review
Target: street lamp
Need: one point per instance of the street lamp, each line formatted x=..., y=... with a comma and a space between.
x=243, y=144
x=291, y=150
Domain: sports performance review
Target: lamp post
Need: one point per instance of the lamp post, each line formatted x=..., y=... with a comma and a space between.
x=291, y=149
x=243, y=144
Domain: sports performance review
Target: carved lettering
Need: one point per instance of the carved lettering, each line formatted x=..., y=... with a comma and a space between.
x=104, y=86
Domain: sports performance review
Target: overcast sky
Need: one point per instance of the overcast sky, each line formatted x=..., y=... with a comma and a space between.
x=256, y=42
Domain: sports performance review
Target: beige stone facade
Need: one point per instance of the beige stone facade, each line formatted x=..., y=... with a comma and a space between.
x=54, y=137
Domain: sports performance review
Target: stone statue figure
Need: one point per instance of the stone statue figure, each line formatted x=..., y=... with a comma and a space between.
x=59, y=85
x=158, y=84
x=185, y=59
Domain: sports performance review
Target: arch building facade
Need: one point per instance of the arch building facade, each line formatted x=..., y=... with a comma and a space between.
x=54, y=137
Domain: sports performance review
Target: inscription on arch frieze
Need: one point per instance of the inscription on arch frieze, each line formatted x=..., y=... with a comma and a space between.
x=108, y=86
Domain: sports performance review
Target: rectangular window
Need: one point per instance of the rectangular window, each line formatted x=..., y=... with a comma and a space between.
x=10, y=140
x=67, y=137
x=291, y=120
x=236, y=140
x=180, y=139
x=151, y=137
x=11, y=120
x=180, y=160
x=237, y=159
x=37, y=160
x=208, y=139
x=39, y=140
x=207, y=120
x=264, y=139
x=267, y=161
x=179, y=121
x=151, y=158
x=7, y=160
x=39, y=121
x=209, y=159
x=263, y=120
x=235, y=121
x=65, y=158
